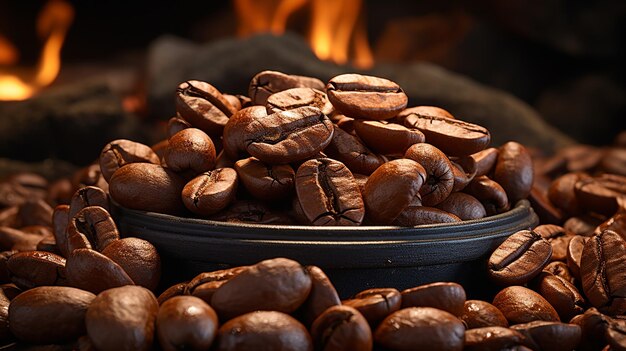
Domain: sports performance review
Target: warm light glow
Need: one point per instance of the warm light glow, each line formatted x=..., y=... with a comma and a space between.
x=337, y=33
x=52, y=25
x=8, y=53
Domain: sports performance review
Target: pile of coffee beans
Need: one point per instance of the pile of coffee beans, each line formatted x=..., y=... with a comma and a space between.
x=298, y=151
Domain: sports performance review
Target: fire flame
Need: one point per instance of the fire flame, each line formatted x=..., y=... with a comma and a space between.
x=337, y=31
x=52, y=24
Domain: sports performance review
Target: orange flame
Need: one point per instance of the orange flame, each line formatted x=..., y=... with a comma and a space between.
x=337, y=31
x=52, y=24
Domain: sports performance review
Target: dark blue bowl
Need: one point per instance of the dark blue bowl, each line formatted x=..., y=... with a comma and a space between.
x=355, y=258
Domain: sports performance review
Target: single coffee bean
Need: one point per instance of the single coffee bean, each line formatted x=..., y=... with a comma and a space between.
x=298, y=97
x=328, y=193
x=399, y=180
x=273, y=330
x=519, y=258
x=60, y=220
x=264, y=181
x=485, y=161
x=521, y=305
x=594, y=326
x=376, y=304
x=560, y=269
x=462, y=175
x=341, y=328
x=267, y=83
x=454, y=137
x=234, y=137
x=603, y=273
x=347, y=148
x=203, y=106
x=288, y=136
x=493, y=338
x=251, y=212
x=122, y=319
x=419, y=215
x=322, y=296
x=551, y=335
x=574, y=254
x=174, y=290
x=448, y=297
x=366, y=97
x=92, y=271
x=279, y=285
x=175, y=125
x=211, y=191
x=49, y=314
x=36, y=268
x=147, y=187
x=562, y=295
x=91, y=228
x=439, y=177
x=88, y=196
x=464, y=206
x=420, y=328
x=479, y=314
x=490, y=194
x=514, y=171
x=431, y=111
x=561, y=192
x=190, y=149
x=121, y=152
x=186, y=322
x=387, y=138
x=139, y=259
x=558, y=237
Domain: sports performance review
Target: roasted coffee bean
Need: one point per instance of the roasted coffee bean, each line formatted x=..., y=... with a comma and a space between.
x=49, y=314
x=348, y=149
x=560, y=269
x=594, y=326
x=175, y=125
x=279, y=285
x=298, y=97
x=237, y=101
x=431, y=111
x=493, y=338
x=121, y=152
x=147, y=187
x=234, y=137
x=464, y=206
x=603, y=273
x=376, y=304
x=454, y=137
x=15, y=239
x=545, y=210
x=322, y=296
x=581, y=158
x=172, y=291
x=288, y=136
x=328, y=193
x=266, y=83
x=264, y=181
x=485, y=161
x=60, y=220
x=584, y=225
x=514, y=171
x=600, y=194
x=269, y=330
x=479, y=314
x=5, y=275
x=387, y=138
x=399, y=180
x=562, y=195
x=139, y=259
x=562, y=295
x=203, y=106
x=420, y=328
x=419, y=215
x=574, y=254
x=35, y=212
x=186, y=322
x=519, y=258
x=551, y=335
x=202, y=279
x=462, y=176
x=88, y=176
x=616, y=334
x=522, y=305
x=251, y=212
x=558, y=237
x=616, y=223
x=341, y=328
x=190, y=149
x=211, y=191
x=91, y=228
x=92, y=271
x=36, y=268
x=489, y=193
x=366, y=97
x=345, y=123
x=88, y=196
x=448, y=297
x=439, y=177
x=122, y=319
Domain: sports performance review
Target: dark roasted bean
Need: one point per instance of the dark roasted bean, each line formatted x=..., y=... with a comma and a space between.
x=203, y=106
x=211, y=191
x=521, y=305
x=519, y=258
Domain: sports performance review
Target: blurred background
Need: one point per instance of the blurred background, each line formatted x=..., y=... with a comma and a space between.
x=76, y=74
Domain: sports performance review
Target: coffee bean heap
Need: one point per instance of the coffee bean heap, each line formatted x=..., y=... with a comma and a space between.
x=298, y=151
